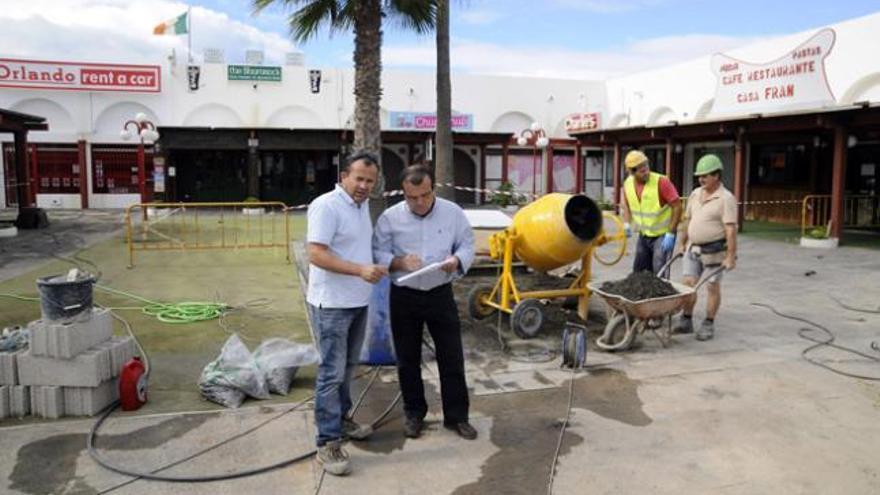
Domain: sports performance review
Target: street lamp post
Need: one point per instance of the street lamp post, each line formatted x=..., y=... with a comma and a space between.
x=146, y=132
x=535, y=136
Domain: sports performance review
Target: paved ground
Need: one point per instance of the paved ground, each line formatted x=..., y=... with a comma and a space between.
x=741, y=414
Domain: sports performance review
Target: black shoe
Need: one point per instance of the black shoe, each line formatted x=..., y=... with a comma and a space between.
x=412, y=427
x=464, y=430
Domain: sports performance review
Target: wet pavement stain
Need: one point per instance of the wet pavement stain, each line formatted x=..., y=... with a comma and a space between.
x=541, y=379
x=525, y=428
x=488, y=384
x=389, y=437
x=714, y=392
x=611, y=394
x=49, y=465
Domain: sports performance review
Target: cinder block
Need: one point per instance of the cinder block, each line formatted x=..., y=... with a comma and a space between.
x=68, y=339
x=88, y=369
x=47, y=401
x=20, y=401
x=88, y=401
x=53, y=402
x=4, y=401
x=121, y=350
x=36, y=401
x=9, y=367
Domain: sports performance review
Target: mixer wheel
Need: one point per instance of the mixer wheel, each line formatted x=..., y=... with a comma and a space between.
x=476, y=307
x=527, y=318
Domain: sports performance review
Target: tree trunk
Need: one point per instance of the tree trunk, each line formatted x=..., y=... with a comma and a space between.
x=368, y=88
x=445, y=167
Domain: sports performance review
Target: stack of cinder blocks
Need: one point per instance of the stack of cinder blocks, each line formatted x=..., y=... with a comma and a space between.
x=70, y=369
x=14, y=398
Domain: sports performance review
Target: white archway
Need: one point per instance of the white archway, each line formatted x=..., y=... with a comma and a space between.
x=619, y=120
x=704, y=110
x=294, y=116
x=212, y=115
x=513, y=122
x=559, y=130
x=58, y=118
x=112, y=118
x=661, y=115
x=866, y=88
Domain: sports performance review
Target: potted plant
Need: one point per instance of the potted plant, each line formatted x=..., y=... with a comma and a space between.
x=820, y=237
x=506, y=197
x=252, y=210
x=605, y=205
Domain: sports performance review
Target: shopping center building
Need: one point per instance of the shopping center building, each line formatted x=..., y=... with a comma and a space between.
x=792, y=116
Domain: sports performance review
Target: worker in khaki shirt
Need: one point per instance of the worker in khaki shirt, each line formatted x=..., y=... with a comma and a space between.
x=709, y=241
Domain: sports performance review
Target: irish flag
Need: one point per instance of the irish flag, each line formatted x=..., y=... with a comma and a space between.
x=178, y=25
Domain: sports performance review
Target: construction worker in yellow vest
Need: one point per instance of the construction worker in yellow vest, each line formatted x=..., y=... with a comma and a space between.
x=652, y=205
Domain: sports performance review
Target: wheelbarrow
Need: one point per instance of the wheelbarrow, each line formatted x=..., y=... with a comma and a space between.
x=628, y=319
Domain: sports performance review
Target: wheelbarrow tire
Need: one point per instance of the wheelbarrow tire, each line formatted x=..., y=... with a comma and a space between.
x=476, y=308
x=527, y=318
x=616, y=336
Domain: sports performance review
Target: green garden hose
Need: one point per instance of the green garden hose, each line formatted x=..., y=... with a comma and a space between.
x=182, y=312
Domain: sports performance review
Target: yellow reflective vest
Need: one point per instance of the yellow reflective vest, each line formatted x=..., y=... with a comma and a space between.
x=650, y=218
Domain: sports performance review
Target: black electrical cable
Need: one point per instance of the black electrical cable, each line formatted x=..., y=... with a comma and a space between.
x=561, y=433
x=91, y=440
x=828, y=342
x=853, y=308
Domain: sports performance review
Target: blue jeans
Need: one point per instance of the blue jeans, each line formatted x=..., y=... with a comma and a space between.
x=339, y=333
x=649, y=255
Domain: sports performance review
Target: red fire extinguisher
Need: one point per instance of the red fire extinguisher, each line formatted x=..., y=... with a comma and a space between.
x=133, y=385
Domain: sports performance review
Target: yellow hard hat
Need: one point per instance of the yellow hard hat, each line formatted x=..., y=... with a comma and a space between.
x=635, y=158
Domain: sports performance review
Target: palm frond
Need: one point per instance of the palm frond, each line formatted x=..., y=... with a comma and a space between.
x=412, y=15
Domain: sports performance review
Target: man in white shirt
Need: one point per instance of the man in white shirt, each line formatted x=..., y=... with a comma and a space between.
x=341, y=274
x=415, y=233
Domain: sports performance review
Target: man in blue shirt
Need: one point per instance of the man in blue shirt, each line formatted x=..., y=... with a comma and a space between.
x=341, y=274
x=415, y=233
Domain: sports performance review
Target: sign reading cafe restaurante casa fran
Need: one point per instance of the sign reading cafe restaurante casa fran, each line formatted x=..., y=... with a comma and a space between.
x=795, y=81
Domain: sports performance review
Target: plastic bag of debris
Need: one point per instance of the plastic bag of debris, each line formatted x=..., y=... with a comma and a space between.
x=14, y=338
x=232, y=376
x=279, y=360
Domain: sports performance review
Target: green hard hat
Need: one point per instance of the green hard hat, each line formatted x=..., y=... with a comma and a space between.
x=708, y=164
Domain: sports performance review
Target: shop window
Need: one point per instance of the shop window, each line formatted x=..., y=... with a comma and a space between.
x=780, y=165
x=594, y=173
x=115, y=169
x=54, y=168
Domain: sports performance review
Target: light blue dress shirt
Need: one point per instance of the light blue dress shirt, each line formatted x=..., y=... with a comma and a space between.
x=337, y=221
x=444, y=231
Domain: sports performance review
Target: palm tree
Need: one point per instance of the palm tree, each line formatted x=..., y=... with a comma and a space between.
x=444, y=163
x=364, y=18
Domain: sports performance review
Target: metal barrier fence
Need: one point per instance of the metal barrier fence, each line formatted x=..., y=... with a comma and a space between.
x=203, y=226
x=858, y=212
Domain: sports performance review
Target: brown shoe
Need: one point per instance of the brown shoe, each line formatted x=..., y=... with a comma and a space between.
x=464, y=430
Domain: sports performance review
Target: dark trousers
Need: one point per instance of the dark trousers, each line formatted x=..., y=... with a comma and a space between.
x=411, y=310
x=649, y=254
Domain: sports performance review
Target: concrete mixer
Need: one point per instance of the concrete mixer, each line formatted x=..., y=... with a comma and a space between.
x=556, y=230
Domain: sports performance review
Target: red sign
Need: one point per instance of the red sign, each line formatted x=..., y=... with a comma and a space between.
x=75, y=76
x=581, y=122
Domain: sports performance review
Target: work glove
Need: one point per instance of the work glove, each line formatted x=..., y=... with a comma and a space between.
x=668, y=242
x=627, y=230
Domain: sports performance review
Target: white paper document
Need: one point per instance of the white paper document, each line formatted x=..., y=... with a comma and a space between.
x=421, y=271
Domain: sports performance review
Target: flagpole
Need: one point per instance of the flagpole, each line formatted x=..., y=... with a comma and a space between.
x=189, y=34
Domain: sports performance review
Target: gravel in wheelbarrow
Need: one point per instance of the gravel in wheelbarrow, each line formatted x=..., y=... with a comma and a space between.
x=639, y=286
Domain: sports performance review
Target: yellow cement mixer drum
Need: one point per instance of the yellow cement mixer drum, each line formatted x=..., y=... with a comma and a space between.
x=556, y=230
